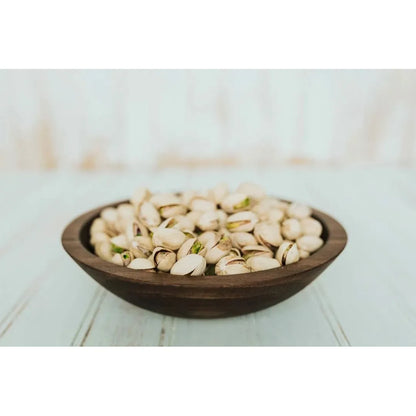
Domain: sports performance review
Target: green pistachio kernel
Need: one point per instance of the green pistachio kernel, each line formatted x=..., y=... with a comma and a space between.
x=243, y=204
x=116, y=249
x=196, y=247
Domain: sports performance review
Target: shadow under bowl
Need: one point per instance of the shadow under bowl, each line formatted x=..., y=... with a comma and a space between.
x=202, y=296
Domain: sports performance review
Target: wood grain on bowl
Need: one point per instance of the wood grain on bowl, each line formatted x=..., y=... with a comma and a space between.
x=202, y=296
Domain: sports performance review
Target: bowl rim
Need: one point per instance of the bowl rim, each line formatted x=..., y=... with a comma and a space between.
x=333, y=246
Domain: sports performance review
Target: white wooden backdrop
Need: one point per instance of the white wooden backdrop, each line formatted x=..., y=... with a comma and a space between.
x=88, y=119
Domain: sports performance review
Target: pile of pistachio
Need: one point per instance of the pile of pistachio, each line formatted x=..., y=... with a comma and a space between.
x=214, y=232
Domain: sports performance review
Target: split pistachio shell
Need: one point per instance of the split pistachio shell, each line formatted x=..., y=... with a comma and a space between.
x=192, y=264
x=275, y=215
x=141, y=195
x=103, y=249
x=149, y=215
x=287, y=253
x=310, y=226
x=242, y=221
x=240, y=240
x=168, y=205
x=141, y=264
x=256, y=250
x=179, y=222
x=231, y=265
x=309, y=243
x=235, y=202
x=168, y=238
x=254, y=191
x=141, y=247
x=163, y=258
x=208, y=221
x=135, y=229
x=194, y=216
x=258, y=263
x=291, y=229
x=219, y=250
x=209, y=238
x=117, y=259
x=268, y=234
x=202, y=204
x=122, y=259
x=191, y=246
x=298, y=211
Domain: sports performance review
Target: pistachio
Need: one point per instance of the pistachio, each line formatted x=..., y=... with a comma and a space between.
x=242, y=221
x=208, y=221
x=135, y=229
x=287, y=253
x=235, y=202
x=98, y=225
x=310, y=226
x=231, y=265
x=187, y=197
x=117, y=259
x=120, y=242
x=303, y=254
x=255, y=192
x=291, y=229
x=298, y=211
x=109, y=215
x=309, y=243
x=141, y=195
x=98, y=236
x=141, y=246
x=168, y=238
x=122, y=259
x=219, y=250
x=193, y=216
x=192, y=264
x=209, y=238
x=275, y=215
x=149, y=215
x=163, y=258
x=202, y=204
x=258, y=263
x=241, y=239
x=103, y=249
x=141, y=264
x=268, y=234
x=191, y=246
x=219, y=192
x=256, y=250
x=222, y=218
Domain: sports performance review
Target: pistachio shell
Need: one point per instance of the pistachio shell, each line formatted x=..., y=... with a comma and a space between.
x=219, y=192
x=242, y=221
x=98, y=225
x=275, y=215
x=202, y=204
x=222, y=218
x=109, y=215
x=121, y=241
x=291, y=229
x=139, y=196
x=310, y=226
x=135, y=229
x=117, y=259
x=127, y=256
x=191, y=246
x=241, y=239
x=258, y=263
x=208, y=221
x=219, y=250
x=125, y=211
x=268, y=234
x=163, y=258
x=141, y=264
x=98, y=236
x=162, y=200
x=192, y=264
x=231, y=265
x=187, y=196
x=235, y=202
x=141, y=247
x=309, y=243
x=193, y=216
x=183, y=223
x=303, y=254
x=256, y=250
x=298, y=211
x=252, y=190
x=149, y=215
x=172, y=210
x=168, y=238
x=287, y=253
x=103, y=249
x=209, y=238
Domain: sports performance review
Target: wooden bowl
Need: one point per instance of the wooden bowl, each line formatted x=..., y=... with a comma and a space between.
x=203, y=296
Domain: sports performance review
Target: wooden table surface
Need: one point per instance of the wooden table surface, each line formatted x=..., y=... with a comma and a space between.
x=366, y=297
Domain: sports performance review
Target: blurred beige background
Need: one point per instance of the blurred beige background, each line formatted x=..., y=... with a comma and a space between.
x=117, y=119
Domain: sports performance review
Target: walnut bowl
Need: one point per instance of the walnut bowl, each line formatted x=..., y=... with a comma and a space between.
x=202, y=296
